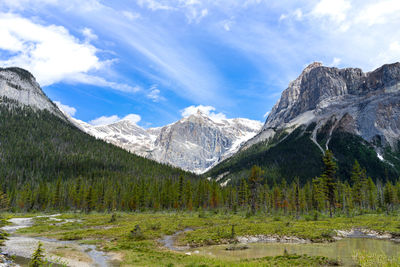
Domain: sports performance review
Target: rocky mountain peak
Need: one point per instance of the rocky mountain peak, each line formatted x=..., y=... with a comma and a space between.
x=326, y=94
x=19, y=85
x=193, y=143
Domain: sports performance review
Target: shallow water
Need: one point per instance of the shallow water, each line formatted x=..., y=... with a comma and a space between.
x=23, y=247
x=342, y=250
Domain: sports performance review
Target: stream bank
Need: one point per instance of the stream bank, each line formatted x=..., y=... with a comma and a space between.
x=70, y=253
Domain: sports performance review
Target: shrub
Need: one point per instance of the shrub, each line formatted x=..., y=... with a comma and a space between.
x=136, y=233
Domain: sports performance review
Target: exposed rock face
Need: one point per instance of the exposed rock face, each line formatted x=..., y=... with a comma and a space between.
x=366, y=104
x=198, y=142
x=195, y=143
x=19, y=85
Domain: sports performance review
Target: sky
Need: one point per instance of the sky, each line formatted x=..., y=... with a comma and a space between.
x=155, y=61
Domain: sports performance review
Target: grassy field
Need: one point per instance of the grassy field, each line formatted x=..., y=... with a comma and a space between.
x=141, y=248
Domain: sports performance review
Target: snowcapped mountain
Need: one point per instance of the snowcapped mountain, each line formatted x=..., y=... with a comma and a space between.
x=124, y=133
x=194, y=143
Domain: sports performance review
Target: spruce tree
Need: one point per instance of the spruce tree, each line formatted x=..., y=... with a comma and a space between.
x=329, y=178
x=37, y=259
x=254, y=181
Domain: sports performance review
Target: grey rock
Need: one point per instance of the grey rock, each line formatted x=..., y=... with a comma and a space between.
x=195, y=143
x=366, y=104
x=19, y=85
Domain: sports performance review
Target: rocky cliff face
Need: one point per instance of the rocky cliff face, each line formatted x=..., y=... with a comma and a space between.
x=198, y=142
x=195, y=143
x=365, y=104
x=354, y=114
x=19, y=85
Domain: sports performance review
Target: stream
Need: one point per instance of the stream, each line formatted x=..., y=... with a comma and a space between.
x=70, y=253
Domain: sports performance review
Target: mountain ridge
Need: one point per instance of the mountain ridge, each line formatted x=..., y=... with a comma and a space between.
x=194, y=143
x=331, y=105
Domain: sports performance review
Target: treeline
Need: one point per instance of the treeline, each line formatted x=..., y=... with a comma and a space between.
x=324, y=194
x=38, y=149
x=48, y=164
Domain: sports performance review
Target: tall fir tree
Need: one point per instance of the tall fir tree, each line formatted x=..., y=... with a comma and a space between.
x=329, y=178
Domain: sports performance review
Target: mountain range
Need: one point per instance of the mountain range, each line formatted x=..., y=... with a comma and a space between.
x=195, y=143
x=352, y=113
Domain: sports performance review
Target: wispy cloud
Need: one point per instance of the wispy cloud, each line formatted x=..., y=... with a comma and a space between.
x=99, y=81
x=154, y=94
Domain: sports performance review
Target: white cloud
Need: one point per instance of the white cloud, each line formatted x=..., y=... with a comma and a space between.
x=154, y=94
x=379, y=13
x=65, y=108
x=154, y=4
x=99, y=81
x=297, y=14
x=89, y=35
x=335, y=62
x=227, y=24
x=207, y=110
x=336, y=10
x=51, y=53
x=130, y=15
x=105, y=120
x=75, y=5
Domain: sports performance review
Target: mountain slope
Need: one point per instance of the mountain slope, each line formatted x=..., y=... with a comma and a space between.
x=194, y=143
x=37, y=143
x=354, y=114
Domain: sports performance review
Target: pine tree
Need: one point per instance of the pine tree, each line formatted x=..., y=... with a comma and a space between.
x=180, y=192
x=90, y=202
x=318, y=193
x=356, y=174
x=243, y=193
x=4, y=201
x=57, y=195
x=388, y=196
x=254, y=180
x=297, y=197
x=371, y=193
x=37, y=259
x=329, y=178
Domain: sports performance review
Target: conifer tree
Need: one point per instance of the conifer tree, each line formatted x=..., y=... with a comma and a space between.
x=297, y=197
x=243, y=194
x=254, y=181
x=37, y=259
x=329, y=178
x=356, y=175
x=4, y=201
x=57, y=195
x=90, y=202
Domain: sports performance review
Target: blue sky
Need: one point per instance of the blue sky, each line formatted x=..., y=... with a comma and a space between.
x=152, y=59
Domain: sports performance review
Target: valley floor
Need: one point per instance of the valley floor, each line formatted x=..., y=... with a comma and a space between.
x=141, y=239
